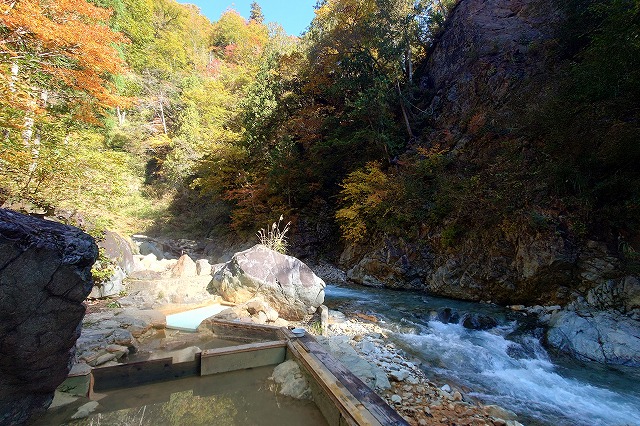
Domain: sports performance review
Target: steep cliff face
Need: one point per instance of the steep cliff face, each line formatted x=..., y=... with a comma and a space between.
x=45, y=275
x=487, y=59
x=496, y=64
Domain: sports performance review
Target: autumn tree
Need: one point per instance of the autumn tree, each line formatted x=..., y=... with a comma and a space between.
x=256, y=13
x=56, y=58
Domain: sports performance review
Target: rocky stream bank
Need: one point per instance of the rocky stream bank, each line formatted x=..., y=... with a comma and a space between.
x=132, y=326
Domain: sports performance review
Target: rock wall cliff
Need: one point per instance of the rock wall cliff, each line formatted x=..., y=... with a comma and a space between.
x=495, y=62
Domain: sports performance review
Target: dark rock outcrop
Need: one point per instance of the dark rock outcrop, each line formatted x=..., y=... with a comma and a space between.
x=45, y=275
x=490, y=79
x=490, y=52
x=284, y=282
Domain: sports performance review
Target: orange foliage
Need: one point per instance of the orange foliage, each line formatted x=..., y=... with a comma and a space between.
x=65, y=44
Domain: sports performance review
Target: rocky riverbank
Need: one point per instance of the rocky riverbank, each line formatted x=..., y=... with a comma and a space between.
x=116, y=334
x=132, y=325
x=362, y=345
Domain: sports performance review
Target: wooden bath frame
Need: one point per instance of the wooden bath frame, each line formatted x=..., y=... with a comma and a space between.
x=342, y=397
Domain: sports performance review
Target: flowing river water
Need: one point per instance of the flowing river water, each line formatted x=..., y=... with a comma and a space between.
x=505, y=365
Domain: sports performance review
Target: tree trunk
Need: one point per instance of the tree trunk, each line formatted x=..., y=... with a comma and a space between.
x=164, y=123
x=27, y=133
x=35, y=156
x=405, y=115
x=122, y=114
x=409, y=65
x=14, y=76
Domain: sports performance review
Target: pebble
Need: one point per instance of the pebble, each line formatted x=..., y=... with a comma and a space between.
x=398, y=375
x=396, y=399
x=104, y=358
x=367, y=347
x=446, y=388
x=85, y=410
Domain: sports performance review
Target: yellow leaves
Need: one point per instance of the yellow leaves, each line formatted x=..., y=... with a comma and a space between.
x=367, y=187
x=364, y=196
x=340, y=13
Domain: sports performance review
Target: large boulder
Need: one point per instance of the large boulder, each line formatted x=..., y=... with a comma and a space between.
x=602, y=336
x=119, y=250
x=185, y=267
x=45, y=275
x=283, y=281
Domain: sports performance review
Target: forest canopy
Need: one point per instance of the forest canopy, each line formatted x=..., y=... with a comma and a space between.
x=139, y=112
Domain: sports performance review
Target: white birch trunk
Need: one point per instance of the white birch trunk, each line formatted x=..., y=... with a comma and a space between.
x=122, y=114
x=164, y=123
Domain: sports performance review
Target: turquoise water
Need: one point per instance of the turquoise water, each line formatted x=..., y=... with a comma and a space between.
x=506, y=365
x=190, y=320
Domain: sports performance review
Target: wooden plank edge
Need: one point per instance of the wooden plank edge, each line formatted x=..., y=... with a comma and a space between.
x=352, y=410
x=374, y=403
x=250, y=347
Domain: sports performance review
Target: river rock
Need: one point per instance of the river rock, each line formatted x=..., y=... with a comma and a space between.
x=291, y=380
x=203, y=267
x=149, y=247
x=185, y=267
x=111, y=287
x=604, y=336
x=370, y=374
x=398, y=375
x=478, y=322
x=45, y=275
x=119, y=250
x=287, y=284
x=116, y=332
x=139, y=321
x=330, y=273
x=499, y=412
x=447, y=316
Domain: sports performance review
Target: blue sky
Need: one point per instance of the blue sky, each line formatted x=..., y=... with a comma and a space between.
x=294, y=15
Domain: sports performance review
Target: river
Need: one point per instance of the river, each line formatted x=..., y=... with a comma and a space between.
x=505, y=365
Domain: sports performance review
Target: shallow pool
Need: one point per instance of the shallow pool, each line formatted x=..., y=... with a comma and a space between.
x=241, y=398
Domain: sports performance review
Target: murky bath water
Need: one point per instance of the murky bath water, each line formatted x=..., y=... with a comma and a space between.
x=242, y=398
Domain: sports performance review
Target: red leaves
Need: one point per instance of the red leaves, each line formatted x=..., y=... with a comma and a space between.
x=65, y=42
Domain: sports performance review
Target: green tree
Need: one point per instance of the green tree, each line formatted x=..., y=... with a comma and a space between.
x=256, y=13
